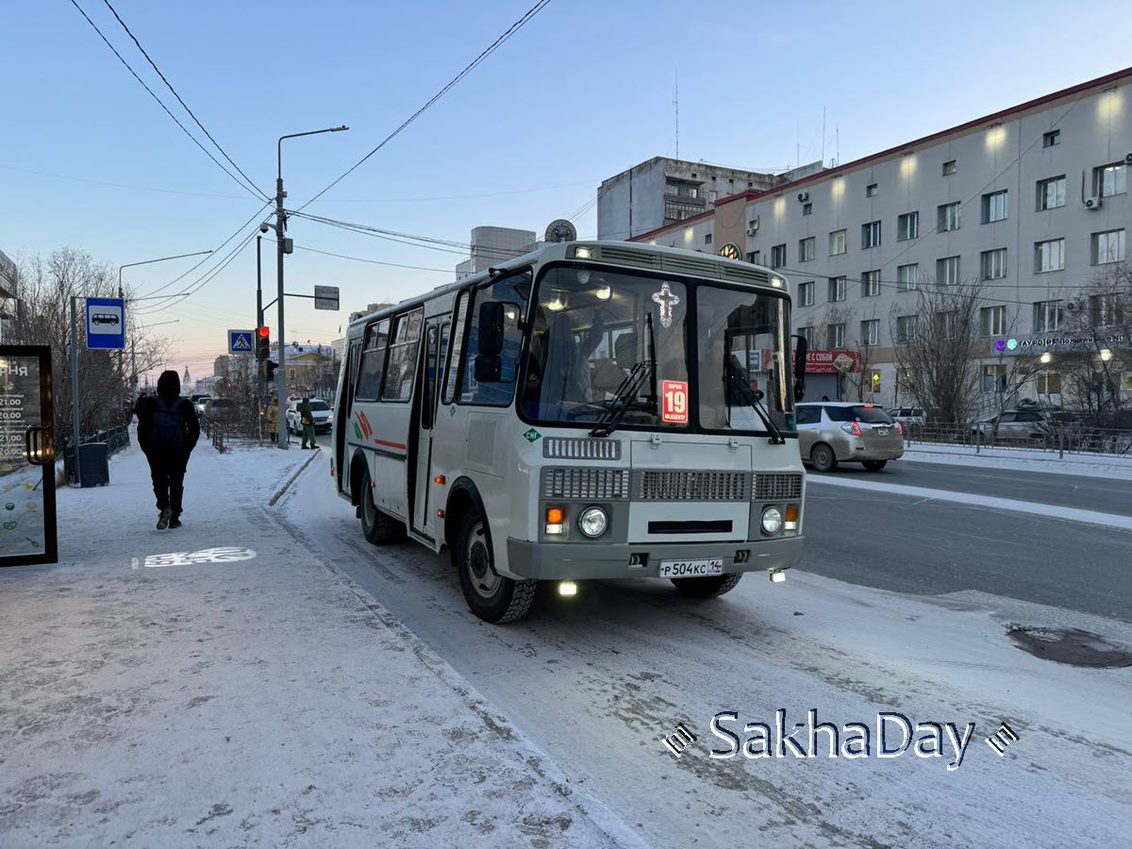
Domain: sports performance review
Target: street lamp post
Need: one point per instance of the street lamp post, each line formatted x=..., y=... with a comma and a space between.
x=280, y=233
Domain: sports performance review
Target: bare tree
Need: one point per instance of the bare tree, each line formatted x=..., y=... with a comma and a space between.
x=937, y=348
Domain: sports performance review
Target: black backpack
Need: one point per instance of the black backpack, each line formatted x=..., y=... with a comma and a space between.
x=168, y=425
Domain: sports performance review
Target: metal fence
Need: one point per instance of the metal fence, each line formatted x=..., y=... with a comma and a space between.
x=1064, y=438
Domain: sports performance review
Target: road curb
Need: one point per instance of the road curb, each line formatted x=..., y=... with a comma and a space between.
x=292, y=479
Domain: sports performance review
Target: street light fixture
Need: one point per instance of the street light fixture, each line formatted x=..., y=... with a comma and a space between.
x=280, y=228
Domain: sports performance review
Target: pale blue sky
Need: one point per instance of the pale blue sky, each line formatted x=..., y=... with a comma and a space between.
x=582, y=92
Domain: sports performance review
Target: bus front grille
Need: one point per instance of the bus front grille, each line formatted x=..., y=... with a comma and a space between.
x=586, y=484
x=777, y=486
x=657, y=485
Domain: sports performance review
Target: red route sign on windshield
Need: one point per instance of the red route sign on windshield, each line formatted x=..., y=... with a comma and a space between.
x=674, y=402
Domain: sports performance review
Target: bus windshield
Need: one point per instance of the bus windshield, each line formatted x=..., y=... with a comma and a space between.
x=604, y=343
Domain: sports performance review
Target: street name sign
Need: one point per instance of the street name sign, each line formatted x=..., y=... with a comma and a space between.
x=326, y=297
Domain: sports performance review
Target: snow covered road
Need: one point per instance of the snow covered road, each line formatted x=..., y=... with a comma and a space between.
x=599, y=682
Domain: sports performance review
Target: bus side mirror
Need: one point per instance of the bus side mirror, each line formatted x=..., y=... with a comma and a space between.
x=801, y=349
x=489, y=368
x=489, y=341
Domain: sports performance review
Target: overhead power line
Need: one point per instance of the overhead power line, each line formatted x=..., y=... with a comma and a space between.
x=510, y=31
x=180, y=100
x=161, y=103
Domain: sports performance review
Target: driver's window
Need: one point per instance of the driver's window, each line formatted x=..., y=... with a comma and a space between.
x=513, y=291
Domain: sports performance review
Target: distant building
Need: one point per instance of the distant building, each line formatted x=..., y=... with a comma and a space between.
x=493, y=245
x=664, y=191
x=8, y=275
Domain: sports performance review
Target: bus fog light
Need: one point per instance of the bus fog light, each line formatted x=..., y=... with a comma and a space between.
x=593, y=522
x=778, y=577
x=567, y=588
x=772, y=520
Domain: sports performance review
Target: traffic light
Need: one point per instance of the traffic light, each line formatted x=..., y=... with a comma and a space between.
x=263, y=343
x=269, y=370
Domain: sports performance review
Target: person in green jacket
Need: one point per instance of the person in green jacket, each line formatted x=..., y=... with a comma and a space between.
x=306, y=420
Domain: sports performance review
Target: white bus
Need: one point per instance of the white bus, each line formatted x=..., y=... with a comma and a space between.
x=589, y=410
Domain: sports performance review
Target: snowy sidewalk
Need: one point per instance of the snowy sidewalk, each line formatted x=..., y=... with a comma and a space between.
x=1022, y=459
x=217, y=685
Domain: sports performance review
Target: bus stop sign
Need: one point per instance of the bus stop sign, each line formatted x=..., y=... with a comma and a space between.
x=105, y=323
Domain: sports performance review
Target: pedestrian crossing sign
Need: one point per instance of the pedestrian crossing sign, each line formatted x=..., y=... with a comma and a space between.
x=241, y=341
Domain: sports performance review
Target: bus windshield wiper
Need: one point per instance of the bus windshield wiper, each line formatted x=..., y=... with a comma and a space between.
x=747, y=396
x=622, y=398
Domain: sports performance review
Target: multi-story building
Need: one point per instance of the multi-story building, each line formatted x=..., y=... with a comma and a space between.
x=1029, y=206
x=663, y=191
x=492, y=245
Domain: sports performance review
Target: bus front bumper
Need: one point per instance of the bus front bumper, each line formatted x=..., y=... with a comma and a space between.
x=583, y=561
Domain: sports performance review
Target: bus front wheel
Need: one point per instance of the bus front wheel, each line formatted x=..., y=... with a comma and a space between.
x=378, y=528
x=489, y=595
x=707, y=587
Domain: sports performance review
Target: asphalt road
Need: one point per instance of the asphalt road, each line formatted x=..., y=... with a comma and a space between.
x=1087, y=493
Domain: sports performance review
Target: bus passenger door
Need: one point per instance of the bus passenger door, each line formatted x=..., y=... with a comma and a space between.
x=436, y=349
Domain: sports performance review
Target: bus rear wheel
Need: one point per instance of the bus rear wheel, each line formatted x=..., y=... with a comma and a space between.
x=378, y=528
x=707, y=587
x=488, y=594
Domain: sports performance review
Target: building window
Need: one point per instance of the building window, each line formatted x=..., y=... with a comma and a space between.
x=755, y=257
x=948, y=215
x=836, y=288
x=1049, y=255
x=1048, y=383
x=1108, y=247
x=908, y=277
x=778, y=256
x=993, y=321
x=994, y=378
x=1051, y=138
x=993, y=264
x=871, y=190
x=806, y=294
x=707, y=238
x=1047, y=316
x=838, y=244
x=680, y=211
x=947, y=271
x=908, y=226
x=949, y=168
x=905, y=328
x=870, y=235
x=806, y=249
x=807, y=209
x=870, y=332
x=1105, y=310
x=835, y=336
x=1051, y=193
x=1110, y=179
x=807, y=333
x=870, y=284
x=994, y=207
x=946, y=323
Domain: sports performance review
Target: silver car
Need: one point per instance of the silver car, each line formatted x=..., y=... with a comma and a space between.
x=833, y=432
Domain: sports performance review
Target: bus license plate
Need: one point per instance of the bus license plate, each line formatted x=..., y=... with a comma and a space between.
x=690, y=568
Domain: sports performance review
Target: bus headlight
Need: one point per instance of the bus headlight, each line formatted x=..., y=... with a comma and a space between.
x=772, y=521
x=592, y=522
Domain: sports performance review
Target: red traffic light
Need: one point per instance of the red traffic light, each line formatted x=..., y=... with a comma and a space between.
x=264, y=332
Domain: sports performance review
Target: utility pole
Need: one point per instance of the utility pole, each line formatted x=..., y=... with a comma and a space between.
x=283, y=245
x=75, y=425
x=261, y=387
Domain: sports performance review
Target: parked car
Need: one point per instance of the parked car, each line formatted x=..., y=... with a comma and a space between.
x=908, y=416
x=835, y=432
x=200, y=401
x=320, y=412
x=1013, y=424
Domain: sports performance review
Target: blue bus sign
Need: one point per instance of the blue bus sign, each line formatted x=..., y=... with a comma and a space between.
x=106, y=323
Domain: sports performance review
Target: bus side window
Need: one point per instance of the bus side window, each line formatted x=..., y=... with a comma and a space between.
x=453, y=376
x=515, y=290
x=372, y=362
x=402, y=366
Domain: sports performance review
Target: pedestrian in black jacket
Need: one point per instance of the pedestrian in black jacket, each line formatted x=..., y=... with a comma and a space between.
x=168, y=431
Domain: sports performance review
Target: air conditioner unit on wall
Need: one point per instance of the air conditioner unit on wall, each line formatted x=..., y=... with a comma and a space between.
x=753, y=226
x=803, y=196
x=1093, y=202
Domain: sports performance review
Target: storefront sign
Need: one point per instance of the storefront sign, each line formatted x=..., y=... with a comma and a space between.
x=832, y=362
x=1038, y=343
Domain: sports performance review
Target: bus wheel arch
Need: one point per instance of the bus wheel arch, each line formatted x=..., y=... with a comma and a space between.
x=357, y=475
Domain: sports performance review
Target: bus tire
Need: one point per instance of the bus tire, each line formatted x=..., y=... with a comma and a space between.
x=489, y=595
x=707, y=587
x=823, y=458
x=378, y=528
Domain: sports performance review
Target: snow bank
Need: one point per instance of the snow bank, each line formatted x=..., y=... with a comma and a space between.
x=1023, y=459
